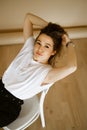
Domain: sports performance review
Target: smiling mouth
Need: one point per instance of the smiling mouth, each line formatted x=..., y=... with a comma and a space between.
x=38, y=53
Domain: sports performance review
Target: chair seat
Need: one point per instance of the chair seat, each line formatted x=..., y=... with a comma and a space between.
x=29, y=113
x=31, y=109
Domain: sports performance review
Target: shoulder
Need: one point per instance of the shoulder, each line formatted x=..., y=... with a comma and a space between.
x=29, y=42
x=30, y=39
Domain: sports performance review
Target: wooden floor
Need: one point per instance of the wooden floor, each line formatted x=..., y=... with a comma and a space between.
x=66, y=102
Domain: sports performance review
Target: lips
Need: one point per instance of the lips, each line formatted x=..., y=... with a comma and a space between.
x=38, y=53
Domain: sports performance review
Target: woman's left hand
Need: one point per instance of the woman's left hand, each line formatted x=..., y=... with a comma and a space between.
x=65, y=39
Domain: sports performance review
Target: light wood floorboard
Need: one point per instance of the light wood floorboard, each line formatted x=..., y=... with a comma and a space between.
x=65, y=105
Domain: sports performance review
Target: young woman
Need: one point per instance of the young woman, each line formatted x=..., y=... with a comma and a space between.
x=33, y=69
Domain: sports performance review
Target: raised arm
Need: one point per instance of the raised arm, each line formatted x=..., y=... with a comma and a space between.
x=29, y=22
x=59, y=73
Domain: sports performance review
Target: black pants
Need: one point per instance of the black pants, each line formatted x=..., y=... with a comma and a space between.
x=10, y=106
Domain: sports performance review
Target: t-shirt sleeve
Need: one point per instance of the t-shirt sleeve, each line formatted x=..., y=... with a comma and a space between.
x=28, y=46
x=22, y=57
x=26, y=51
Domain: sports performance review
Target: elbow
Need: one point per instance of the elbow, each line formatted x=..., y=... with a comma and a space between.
x=28, y=15
x=73, y=68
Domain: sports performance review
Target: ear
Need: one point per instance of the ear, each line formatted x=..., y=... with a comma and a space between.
x=53, y=53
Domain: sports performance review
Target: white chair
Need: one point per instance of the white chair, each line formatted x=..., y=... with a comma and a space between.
x=42, y=107
x=31, y=109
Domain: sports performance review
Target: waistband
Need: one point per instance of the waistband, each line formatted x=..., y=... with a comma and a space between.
x=5, y=93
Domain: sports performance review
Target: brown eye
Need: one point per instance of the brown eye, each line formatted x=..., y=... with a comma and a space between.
x=37, y=42
x=47, y=46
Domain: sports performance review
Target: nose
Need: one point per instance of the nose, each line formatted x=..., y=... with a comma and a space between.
x=40, y=49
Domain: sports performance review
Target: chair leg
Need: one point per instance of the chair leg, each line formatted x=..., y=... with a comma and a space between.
x=42, y=118
x=42, y=107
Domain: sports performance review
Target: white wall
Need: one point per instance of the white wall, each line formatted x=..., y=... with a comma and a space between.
x=64, y=12
x=67, y=13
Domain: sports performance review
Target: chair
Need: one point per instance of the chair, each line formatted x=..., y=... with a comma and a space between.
x=31, y=110
x=42, y=107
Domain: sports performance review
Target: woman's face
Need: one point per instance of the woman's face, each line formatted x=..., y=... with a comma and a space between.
x=43, y=49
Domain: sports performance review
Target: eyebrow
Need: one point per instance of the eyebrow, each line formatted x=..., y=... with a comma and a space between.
x=46, y=43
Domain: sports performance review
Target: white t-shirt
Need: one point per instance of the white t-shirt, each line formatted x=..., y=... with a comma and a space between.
x=24, y=76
